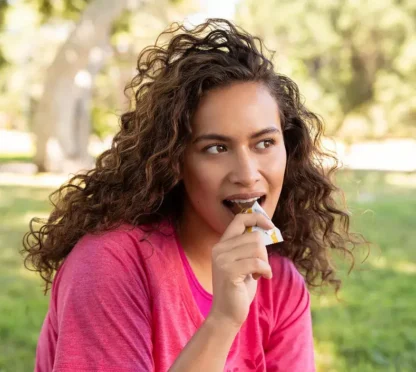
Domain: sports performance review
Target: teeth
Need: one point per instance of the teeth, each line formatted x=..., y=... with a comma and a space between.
x=244, y=200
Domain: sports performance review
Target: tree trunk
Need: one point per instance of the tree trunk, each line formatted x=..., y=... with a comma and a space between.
x=62, y=117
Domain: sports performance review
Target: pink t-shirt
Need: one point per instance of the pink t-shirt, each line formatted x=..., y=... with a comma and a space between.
x=202, y=298
x=122, y=302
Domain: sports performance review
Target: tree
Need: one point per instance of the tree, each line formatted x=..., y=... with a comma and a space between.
x=62, y=121
x=62, y=118
x=352, y=59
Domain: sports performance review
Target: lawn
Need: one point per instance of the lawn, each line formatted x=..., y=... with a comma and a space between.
x=371, y=328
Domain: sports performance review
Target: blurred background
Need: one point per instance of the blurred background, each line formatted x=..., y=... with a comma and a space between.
x=63, y=68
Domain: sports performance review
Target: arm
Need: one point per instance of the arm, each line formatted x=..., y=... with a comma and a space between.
x=209, y=347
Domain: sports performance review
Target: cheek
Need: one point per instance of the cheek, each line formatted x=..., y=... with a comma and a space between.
x=275, y=168
x=201, y=178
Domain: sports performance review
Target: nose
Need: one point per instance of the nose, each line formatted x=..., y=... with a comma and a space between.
x=244, y=169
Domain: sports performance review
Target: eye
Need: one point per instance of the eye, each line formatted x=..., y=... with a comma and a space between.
x=212, y=149
x=267, y=143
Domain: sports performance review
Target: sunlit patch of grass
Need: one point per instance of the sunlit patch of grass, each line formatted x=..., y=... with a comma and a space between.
x=15, y=157
x=325, y=356
x=405, y=180
x=28, y=274
x=37, y=181
x=406, y=267
x=399, y=266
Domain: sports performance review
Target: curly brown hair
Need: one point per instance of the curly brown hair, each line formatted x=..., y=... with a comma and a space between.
x=137, y=181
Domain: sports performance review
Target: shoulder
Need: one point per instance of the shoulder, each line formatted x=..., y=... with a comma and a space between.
x=117, y=244
x=124, y=244
x=125, y=254
x=285, y=273
x=286, y=292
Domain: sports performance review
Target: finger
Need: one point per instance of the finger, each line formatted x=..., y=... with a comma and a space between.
x=249, y=266
x=250, y=250
x=241, y=221
x=253, y=237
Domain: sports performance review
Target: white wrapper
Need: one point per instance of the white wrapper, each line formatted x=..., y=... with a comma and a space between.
x=271, y=236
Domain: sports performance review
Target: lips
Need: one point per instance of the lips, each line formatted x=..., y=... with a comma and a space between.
x=240, y=205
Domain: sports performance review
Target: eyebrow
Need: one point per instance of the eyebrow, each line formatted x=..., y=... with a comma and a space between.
x=220, y=137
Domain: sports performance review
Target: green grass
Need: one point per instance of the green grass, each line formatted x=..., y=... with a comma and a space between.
x=372, y=328
x=19, y=158
x=22, y=304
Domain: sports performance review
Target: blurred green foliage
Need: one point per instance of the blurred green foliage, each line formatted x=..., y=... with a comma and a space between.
x=372, y=328
x=354, y=60
x=65, y=8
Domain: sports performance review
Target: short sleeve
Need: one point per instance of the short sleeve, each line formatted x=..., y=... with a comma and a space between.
x=290, y=346
x=103, y=310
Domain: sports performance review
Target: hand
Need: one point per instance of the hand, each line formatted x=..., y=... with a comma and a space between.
x=238, y=259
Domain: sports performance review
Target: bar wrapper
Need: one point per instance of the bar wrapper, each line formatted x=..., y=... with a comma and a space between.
x=271, y=236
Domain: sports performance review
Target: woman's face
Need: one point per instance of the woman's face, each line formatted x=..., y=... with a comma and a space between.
x=237, y=147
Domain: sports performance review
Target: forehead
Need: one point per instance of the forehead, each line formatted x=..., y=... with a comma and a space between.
x=237, y=108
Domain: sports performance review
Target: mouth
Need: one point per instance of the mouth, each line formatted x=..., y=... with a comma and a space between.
x=235, y=206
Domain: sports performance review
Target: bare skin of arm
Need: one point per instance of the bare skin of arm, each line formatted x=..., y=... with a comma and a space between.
x=209, y=347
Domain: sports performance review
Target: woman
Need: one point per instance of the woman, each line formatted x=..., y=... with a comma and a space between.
x=153, y=269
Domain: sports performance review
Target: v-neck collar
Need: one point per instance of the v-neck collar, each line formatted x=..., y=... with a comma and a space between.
x=183, y=285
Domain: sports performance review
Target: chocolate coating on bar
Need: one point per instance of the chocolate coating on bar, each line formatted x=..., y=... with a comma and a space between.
x=241, y=207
